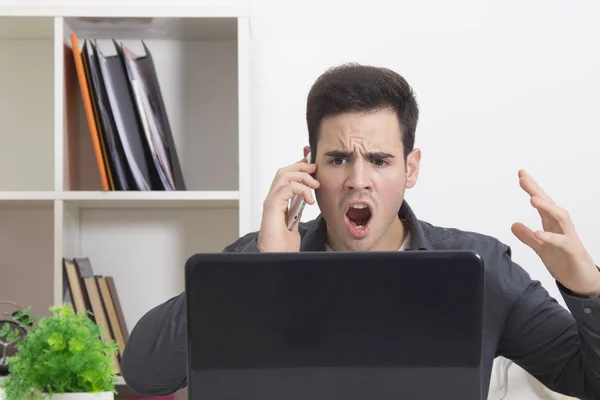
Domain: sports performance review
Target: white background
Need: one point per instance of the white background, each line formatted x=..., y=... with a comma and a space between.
x=502, y=85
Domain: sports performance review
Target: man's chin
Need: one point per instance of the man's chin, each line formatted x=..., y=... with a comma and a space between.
x=349, y=238
x=363, y=243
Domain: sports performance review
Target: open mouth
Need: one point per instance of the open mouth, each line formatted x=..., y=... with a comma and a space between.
x=358, y=217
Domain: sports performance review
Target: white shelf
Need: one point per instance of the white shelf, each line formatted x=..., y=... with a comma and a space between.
x=18, y=196
x=52, y=204
x=126, y=8
x=184, y=199
x=132, y=199
x=164, y=28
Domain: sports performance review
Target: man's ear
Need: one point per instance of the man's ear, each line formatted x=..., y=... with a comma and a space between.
x=413, y=161
x=306, y=151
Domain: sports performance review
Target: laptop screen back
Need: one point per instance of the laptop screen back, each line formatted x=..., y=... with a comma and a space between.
x=330, y=325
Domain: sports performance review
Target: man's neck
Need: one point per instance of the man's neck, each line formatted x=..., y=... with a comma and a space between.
x=394, y=237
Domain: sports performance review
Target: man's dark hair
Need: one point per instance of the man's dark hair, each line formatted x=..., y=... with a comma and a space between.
x=361, y=88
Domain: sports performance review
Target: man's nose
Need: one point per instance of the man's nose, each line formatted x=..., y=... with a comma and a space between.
x=358, y=176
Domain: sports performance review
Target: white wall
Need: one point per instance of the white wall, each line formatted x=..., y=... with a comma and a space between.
x=502, y=85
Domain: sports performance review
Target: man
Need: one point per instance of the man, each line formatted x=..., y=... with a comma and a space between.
x=361, y=124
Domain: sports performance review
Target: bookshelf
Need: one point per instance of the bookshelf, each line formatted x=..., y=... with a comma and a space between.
x=51, y=200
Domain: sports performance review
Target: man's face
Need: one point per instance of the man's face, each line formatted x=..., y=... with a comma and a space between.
x=363, y=177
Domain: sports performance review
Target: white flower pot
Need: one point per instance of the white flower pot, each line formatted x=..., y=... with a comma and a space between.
x=76, y=396
x=83, y=396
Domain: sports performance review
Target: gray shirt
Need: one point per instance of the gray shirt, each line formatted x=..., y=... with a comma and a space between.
x=522, y=322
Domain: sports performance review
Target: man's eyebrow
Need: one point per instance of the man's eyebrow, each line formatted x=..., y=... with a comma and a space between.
x=347, y=154
x=379, y=155
x=339, y=153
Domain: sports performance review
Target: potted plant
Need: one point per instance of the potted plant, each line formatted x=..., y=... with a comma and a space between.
x=62, y=357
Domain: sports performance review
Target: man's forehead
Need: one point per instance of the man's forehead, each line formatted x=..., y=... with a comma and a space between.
x=371, y=141
x=374, y=129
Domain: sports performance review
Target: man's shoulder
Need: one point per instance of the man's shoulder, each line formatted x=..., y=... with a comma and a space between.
x=452, y=238
x=247, y=242
x=505, y=278
x=496, y=254
x=506, y=281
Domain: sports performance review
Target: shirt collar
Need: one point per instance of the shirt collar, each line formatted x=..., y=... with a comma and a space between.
x=315, y=236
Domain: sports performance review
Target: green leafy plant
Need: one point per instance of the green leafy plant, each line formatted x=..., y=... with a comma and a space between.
x=61, y=353
x=11, y=334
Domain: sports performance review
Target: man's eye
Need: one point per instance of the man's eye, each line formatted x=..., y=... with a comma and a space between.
x=379, y=161
x=338, y=161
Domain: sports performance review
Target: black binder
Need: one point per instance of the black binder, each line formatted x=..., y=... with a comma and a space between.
x=118, y=167
x=148, y=70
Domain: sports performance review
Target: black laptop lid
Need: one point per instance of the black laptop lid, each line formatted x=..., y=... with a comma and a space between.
x=334, y=324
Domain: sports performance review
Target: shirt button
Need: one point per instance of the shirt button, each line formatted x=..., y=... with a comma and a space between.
x=587, y=310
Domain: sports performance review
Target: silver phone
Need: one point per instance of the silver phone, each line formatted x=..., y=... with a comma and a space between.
x=296, y=207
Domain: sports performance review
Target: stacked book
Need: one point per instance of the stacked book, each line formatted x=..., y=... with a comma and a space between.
x=131, y=135
x=89, y=292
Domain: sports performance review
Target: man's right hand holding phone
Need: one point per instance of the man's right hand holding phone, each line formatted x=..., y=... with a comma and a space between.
x=294, y=179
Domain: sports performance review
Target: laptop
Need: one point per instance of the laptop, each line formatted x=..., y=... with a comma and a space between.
x=335, y=325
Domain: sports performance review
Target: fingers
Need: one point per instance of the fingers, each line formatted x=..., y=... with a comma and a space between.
x=536, y=240
x=301, y=165
x=528, y=184
x=555, y=239
x=299, y=172
x=301, y=177
x=288, y=191
x=527, y=236
x=559, y=215
x=554, y=218
x=279, y=200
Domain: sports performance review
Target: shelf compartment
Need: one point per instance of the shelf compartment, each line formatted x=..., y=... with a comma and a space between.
x=26, y=104
x=197, y=69
x=27, y=254
x=145, y=250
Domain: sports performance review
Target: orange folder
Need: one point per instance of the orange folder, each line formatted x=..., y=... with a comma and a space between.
x=93, y=123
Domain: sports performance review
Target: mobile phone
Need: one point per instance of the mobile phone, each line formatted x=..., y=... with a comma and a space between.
x=296, y=207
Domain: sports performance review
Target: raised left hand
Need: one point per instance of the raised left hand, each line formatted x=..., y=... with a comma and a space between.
x=558, y=244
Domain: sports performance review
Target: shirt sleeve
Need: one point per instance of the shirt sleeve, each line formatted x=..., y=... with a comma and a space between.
x=559, y=348
x=586, y=313
x=155, y=359
x=154, y=362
